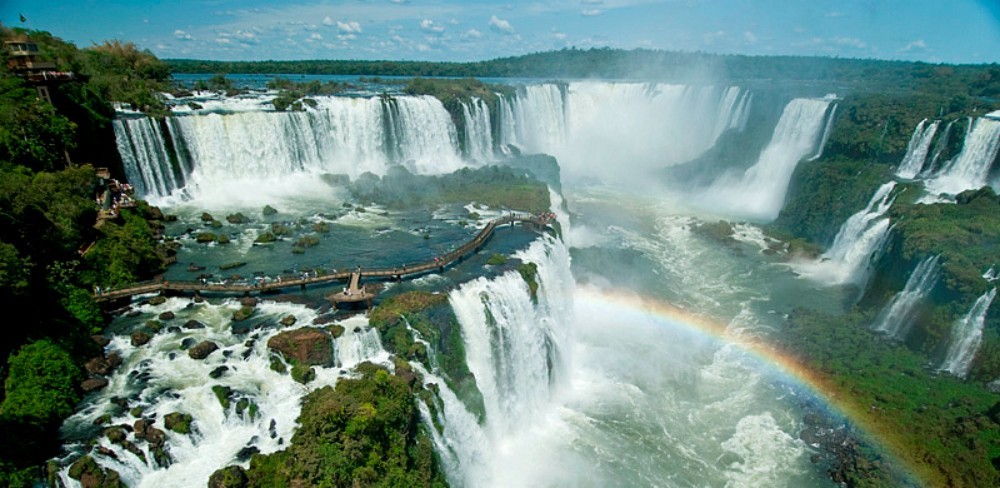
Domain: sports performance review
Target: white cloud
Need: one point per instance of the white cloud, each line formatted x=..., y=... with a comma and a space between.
x=590, y=12
x=710, y=37
x=316, y=36
x=501, y=25
x=222, y=40
x=849, y=42
x=453, y=22
x=559, y=35
x=327, y=21
x=592, y=2
x=346, y=37
x=399, y=2
x=352, y=27
x=429, y=26
x=184, y=36
x=750, y=37
x=472, y=34
x=423, y=48
x=917, y=45
x=833, y=14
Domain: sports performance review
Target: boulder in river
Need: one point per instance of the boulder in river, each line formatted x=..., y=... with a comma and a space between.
x=228, y=477
x=202, y=350
x=103, y=365
x=93, y=384
x=306, y=346
x=140, y=338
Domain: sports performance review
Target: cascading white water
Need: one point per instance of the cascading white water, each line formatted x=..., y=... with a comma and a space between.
x=144, y=156
x=971, y=168
x=828, y=128
x=931, y=167
x=344, y=135
x=847, y=259
x=583, y=124
x=966, y=335
x=517, y=351
x=897, y=316
x=759, y=192
x=478, y=131
x=917, y=150
x=160, y=378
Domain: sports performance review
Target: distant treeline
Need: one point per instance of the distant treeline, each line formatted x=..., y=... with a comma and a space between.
x=637, y=64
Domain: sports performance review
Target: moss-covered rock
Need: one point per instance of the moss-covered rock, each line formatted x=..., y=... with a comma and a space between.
x=178, y=422
x=306, y=346
x=228, y=477
x=364, y=432
x=265, y=238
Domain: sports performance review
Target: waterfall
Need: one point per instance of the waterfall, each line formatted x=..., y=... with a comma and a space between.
x=826, y=134
x=145, y=157
x=897, y=317
x=583, y=125
x=344, y=135
x=478, y=132
x=939, y=147
x=848, y=258
x=971, y=168
x=759, y=192
x=966, y=336
x=517, y=350
x=917, y=149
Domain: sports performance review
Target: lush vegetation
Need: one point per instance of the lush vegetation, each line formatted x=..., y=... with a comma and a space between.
x=947, y=429
x=639, y=63
x=51, y=254
x=364, y=432
x=496, y=186
x=431, y=316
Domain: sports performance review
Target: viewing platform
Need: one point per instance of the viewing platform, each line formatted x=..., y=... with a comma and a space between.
x=353, y=293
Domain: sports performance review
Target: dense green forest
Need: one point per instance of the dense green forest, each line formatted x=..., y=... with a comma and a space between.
x=47, y=221
x=643, y=64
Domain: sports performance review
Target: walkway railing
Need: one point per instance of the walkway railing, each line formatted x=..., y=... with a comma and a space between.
x=398, y=272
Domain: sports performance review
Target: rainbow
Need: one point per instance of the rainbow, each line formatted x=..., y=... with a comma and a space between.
x=785, y=366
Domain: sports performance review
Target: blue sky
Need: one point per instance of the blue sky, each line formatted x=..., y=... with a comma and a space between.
x=952, y=31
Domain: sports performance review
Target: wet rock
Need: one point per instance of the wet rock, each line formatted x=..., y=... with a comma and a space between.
x=103, y=419
x=242, y=314
x=103, y=365
x=174, y=330
x=157, y=300
x=188, y=343
x=93, y=384
x=218, y=372
x=273, y=428
x=246, y=453
x=115, y=434
x=101, y=340
x=178, y=422
x=249, y=302
x=206, y=217
x=237, y=218
x=288, y=321
x=193, y=324
x=133, y=313
x=172, y=356
x=198, y=299
x=119, y=401
x=162, y=457
x=144, y=430
x=202, y=350
x=306, y=346
x=335, y=330
x=91, y=475
x=227, y=353
x=269, y=210
x=222, y=393
x=104, y=451
x=228, y=477
x=323, y=320
x=168, y=315
x=139, y=338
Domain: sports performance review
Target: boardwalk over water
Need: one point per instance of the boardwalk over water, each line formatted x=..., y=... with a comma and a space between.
x=399, y=272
